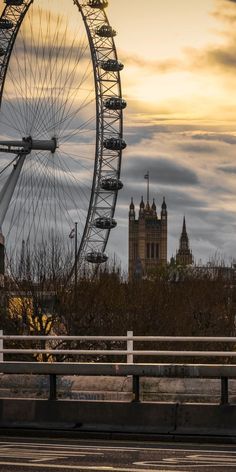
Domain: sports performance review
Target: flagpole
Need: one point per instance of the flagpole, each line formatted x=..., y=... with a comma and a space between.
x=148, y=186
x=76, y=251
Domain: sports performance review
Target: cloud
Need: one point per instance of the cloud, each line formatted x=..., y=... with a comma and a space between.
x=227, y=169
x=198, y=148
x=162, y=170
x=162, y=67
x=222, y=56
x=220, y=137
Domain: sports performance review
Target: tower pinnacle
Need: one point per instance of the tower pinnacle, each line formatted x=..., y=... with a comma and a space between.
x=184, y=255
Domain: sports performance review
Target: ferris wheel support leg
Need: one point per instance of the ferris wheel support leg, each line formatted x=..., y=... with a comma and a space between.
x=5, y=200
x=2, y=261
x=9, y=187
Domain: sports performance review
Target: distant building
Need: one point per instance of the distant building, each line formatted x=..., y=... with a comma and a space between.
x=184, y=255
x=147, y=238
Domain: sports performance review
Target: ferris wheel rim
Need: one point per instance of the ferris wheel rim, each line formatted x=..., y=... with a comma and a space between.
x=99, y=35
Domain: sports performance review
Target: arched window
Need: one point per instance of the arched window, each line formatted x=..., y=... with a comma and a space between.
x=152, y=251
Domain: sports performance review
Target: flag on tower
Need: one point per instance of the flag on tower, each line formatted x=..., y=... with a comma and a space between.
x=72, y=233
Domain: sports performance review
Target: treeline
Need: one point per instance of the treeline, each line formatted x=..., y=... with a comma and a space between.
x=38, y=299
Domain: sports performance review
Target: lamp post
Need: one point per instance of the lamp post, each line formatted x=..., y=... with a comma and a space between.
x=76, y=251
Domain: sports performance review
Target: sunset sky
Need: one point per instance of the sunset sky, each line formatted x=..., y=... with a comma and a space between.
x=179, y=82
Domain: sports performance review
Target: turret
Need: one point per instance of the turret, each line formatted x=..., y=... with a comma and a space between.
x=132, y=210
x=163, y=210
x=141, y=207
x=154, y=208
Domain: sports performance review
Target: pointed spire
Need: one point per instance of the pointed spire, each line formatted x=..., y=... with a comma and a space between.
x=184, y=231
x=164, y=210
x=163, y=206
x=184, y=255
x=154, y=205
x=132, y=210
x=142, y=208
x=184, y=235
x=142, y=203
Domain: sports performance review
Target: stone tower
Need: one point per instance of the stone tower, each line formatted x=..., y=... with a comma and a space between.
x=147, y=238
x=184, y=254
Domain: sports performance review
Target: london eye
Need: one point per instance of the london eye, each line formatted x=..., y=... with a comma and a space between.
x=61, y=124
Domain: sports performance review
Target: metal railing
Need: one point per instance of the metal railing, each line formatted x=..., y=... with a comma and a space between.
x=130, y=368
x=129, y=351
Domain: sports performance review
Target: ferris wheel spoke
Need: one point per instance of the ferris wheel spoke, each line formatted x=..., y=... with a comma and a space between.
x=46, y=113
x=77, y=194
x=70, y=117
x=79, y=184
x=60, y=199
x=71, y=97
x=64, y=111
x=79, y=129
x=41, y=68
x=76, y=160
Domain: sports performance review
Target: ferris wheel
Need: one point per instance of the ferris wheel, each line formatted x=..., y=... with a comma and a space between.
x=61, y=124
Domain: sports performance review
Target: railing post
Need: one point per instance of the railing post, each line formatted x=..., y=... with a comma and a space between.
x=130, y=348
x=224, y=391
x=136, y=397
x=1, y=346
x=52, y=387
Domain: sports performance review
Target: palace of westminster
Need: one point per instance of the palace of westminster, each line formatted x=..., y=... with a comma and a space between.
x=148, y=239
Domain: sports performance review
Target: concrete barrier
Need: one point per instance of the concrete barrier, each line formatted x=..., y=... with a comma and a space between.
x=87, y=416
x=149, y=418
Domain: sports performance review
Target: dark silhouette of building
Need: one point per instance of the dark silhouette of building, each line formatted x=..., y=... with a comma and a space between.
x=147, y=238
x=184, y=254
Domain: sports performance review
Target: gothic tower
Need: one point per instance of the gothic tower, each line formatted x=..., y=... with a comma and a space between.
x=147, y=238
x=184, y=254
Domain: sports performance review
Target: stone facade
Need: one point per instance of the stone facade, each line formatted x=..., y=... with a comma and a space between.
x=147, y=238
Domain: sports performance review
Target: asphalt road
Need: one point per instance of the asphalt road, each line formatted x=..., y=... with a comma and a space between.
x=26, y=455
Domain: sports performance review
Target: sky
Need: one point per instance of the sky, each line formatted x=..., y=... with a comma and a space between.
x=179, y=83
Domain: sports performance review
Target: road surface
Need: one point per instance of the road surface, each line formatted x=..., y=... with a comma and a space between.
x=42, y=455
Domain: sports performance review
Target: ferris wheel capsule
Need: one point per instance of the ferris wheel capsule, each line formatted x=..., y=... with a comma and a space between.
x=105, y=223
x=115, y=103
x=111, y=185
x=114, y=144
x=96, y=257
x=14, y=2
x=111, y=65
x=5, y=24
x=101, y=4
x=105, y=31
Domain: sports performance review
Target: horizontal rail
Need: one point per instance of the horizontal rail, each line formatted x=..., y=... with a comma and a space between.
x=120, y=369
x=119, y=352
x=227, y=339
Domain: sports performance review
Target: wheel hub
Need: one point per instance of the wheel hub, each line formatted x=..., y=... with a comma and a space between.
x=26, y=145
